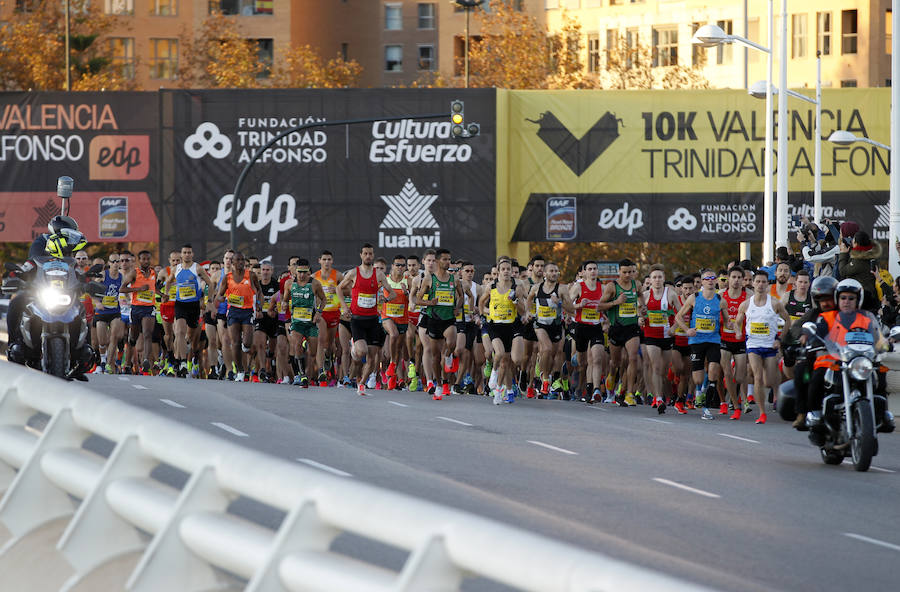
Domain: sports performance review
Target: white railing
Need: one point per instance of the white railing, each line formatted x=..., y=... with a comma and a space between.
x=79, y=521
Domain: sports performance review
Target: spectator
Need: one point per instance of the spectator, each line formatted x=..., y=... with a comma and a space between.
x=820, y=247
x=857, y=261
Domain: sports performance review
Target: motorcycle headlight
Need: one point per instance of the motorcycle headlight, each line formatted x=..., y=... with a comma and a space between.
x=860, y=368
x=52, y=298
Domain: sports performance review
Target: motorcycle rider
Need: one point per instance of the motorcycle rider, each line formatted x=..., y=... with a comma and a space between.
x=822, y=294
x=835, y=324
x=62, y=240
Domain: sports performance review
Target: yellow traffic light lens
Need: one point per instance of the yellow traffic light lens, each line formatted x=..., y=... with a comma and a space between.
x=457, y=118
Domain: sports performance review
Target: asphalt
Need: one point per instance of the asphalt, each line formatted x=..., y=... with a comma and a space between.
x=729, y=504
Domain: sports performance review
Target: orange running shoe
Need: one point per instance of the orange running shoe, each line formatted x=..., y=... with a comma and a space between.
x=679, y=407
x=723, y=409
x=391, y=369
x=762, y=418
x=530, y=392
x=736, y=414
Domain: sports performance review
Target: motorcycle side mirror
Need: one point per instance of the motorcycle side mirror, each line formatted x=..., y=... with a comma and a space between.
x=809, y=328
x=95, y=269
x=895, y=333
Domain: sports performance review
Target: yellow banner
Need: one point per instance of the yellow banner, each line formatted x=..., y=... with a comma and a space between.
x=677, y=142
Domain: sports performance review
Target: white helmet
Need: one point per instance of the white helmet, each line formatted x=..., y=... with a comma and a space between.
x=849, y=285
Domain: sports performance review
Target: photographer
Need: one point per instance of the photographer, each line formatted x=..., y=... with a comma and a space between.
x=857, y=261
x=819, y=246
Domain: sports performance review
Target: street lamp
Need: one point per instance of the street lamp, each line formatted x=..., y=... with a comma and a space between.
x=467, y=5
x=845, y=138
x=712, y=35
x=758, y=90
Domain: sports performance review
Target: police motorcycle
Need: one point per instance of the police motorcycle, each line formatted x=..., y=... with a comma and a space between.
x=53, y=328
x=851, y=414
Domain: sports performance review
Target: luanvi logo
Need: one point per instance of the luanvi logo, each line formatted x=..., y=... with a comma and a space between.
x=578, y=153
x=409, y=210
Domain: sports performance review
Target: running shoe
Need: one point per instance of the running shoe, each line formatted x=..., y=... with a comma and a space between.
x=689, y=404
x=195, y=371
x=638, y=398
x=510, y=396
x=285, y=380
x=706, y=414
x=411, y=373
x=610, y=382
x=230, y=377
x=391, y=369
x=735, y=415
x=413, y=384
x=392, y=382
x=679, y=407
x=430, y=388
x=371, y=382
x=629, y=400
x=361, y=390
x=545, y=387
x=762, y=418
x=239, y=377
x=499, y=392
x=470, y=388
x=296, y=381
x=597, y=397
x=488, y=368
x=445, y=390
x=529, y=392
x=451, y=364
x=304, y=382
x=751, y=399
x=723, y=409
x=492, y=381
x=660, y=406
x=110, y=369
x=254, y=377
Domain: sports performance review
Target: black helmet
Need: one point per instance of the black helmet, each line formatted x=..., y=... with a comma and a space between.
x=822, y=287
x=57, y=223
x=852, y=286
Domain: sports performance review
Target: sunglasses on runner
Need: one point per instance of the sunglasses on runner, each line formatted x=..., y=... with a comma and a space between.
x=709, y=278
x=302, y=270
x=113, y=260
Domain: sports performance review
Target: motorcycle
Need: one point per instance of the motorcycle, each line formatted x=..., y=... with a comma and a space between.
x=52, y=324
x=851, y=414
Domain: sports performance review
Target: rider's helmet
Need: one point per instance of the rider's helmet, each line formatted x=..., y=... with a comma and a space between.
x=823, y=288
x=64, y=243
x=852, y=286
x=58, y=223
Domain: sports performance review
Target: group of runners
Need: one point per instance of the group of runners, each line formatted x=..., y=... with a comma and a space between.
x=708, y=340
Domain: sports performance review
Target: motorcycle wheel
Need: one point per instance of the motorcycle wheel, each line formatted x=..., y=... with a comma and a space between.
x=57, y=360
x=830, y=457
x=862, y=447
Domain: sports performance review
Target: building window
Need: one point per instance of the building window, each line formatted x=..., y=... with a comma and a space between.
x=426, y=57
x=426, y=15
x=888, y=30
x=665, y=46
x=393, y=17
x=121, y=50
x=393, y=58
x=696, y=50
x=593, y=47
x=265, y=52
x=848, y=31
x=163, y=7
x=163, y=59
x=632, y=51
x=848, y=84
x=725, y=51
x=345, y=51
x=238, y=7
x=823, y=33
x=798, y=35
x=116, y=6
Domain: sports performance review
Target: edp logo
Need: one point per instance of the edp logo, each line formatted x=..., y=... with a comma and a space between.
x=624, y=218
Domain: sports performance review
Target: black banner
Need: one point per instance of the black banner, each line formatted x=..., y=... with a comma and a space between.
x=107, y=142
x=402, y=186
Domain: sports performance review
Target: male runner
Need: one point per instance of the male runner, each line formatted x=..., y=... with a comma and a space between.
x=306, y=300
x=185, y=277
x=761, y=315
x=266, y=327
x=506, y=302
x=549, y=298
x=395, y=318
x=240, y=289
x=141, y=283
x=108, y=316
x=330, y=318
x=661, y=305
x=733, y=347
x=362, y=283
x=624, y=325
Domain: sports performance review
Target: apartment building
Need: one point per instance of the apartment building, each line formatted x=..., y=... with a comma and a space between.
x=853, y=36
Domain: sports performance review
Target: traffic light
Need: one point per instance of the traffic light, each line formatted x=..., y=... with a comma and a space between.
x=459, y=127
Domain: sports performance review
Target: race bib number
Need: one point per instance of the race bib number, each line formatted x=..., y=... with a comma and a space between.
x=366, y=300
x=795, y=318
x=236, y=300
x=392, y=310
x=705, y=325
x=657, y=318
x=590, y=314
x=110, y=302
x=467, y=309
x=303, y=314
x=334, y=300
x=172, y=289
x=761, y=329
x=145, y=296
x=445, y=298
x=547, y=314
x=186, y=293
x=627, y=309
x=282, y=307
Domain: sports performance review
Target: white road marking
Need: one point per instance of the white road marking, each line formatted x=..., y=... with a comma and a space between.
x=398, y=404
x=596, y=407
x=229, y=429
x=686, y=488
x=125, y=378
x=880, y=470
x=657, y=420
x=866, y=539
x=451, y=420
x=140, y=387
x=551, y=447
x=172, y=403
x=740, y=438
x=319, y=465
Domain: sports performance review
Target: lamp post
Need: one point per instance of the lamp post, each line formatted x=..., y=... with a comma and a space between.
x=467, y=5
x=781, y=205
x=712, y=35
x=757, y=90
x=68, y=42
